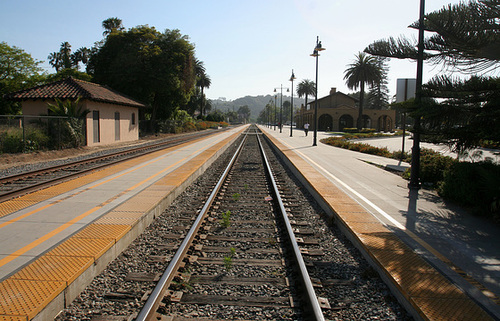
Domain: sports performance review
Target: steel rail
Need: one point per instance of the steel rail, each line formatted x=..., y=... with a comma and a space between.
x=304, y=275
x=152, y=304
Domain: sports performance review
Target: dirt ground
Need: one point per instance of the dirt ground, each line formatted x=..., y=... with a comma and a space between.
x=13, y=160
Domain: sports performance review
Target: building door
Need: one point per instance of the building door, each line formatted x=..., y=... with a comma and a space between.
x=117, y=126
x=95, y=126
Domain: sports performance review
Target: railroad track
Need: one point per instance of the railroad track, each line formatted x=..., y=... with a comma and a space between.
x=23, y=183
x=229, y=258
x=241, y=251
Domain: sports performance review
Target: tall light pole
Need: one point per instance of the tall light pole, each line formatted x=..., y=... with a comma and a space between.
x=415, y=151
x=315, y=53
x=281, y=104
x=275, y=110
x=292, y=77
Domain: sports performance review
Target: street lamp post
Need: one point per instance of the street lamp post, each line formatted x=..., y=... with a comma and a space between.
x=292, y=77
x=281, y=104
x=315, y=53
x=415, y=152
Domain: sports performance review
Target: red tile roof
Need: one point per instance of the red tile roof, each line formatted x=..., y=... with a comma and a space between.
x=71, y=88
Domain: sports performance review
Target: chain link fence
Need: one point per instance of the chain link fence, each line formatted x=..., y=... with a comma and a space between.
x=21, y=133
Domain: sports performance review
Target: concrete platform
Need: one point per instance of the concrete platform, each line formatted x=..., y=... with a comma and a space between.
x=55, y=241
x=444, y=262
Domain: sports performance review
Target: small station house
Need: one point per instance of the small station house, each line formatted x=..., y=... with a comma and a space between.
x=113, y=117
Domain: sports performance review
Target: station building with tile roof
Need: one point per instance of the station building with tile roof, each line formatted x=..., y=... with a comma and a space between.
x=338, y=111
x=113, y=116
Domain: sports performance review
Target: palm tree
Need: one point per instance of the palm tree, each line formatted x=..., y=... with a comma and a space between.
x=55, y=60
x=111, y=25
x=364, y=70
x=305, y=88
x=199, y=68
x=75, y=122
x=65, y=53
x=80, y=55
x=203, y=82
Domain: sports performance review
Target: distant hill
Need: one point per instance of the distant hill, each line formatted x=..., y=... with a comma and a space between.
x=255, y=103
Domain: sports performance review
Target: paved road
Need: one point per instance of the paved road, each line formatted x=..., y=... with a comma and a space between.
x=445, y=233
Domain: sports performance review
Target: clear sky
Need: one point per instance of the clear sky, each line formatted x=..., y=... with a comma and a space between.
x=248, y=47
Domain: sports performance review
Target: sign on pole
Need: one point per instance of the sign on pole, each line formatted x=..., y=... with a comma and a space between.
x=405, y=89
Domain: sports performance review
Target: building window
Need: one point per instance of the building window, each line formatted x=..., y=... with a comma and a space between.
x=133, y=118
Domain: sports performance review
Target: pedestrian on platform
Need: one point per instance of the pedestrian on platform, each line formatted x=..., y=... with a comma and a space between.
x=306, y=128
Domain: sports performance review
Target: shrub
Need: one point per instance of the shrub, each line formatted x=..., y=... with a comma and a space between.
x=189, y=126
x=11, y=141
x=473, y=185
x=432, y=166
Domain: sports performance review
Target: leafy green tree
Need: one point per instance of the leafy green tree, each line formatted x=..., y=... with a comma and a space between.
x=244, y=113
x=18, y=70
x=305, y=88
x=69, y=72
x=364, y=70
x=159, y=67
x=216, y=115
x=286, y=110
x=231, y=116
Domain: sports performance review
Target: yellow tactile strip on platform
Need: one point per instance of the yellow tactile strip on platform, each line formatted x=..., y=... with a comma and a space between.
x=432, y=295
x=106, y=231
x=27, y=298
x=54, y=268
x=14, y=205
x=450, y=309
x=83, y=247
x=13, y=318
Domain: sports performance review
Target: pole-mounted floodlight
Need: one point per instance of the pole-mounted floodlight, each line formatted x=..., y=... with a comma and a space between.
x=292, y=77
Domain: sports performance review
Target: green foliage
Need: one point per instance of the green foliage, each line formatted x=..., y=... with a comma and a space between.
x=18, y=70
x=74, y=124
x=68, y=72
x=433, y=165
x=225, y=219
x=228, y=260
x=364, y=70
x=359, y=147
x=236, y=197
x=159, y=67
x=11, y=140
x=474, y=185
